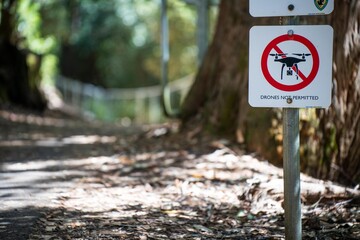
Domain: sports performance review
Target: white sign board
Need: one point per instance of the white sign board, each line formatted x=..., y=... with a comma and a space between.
x=272, y=8
x=290, y=66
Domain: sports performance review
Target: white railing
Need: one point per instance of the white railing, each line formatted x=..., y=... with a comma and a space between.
x=138, y=105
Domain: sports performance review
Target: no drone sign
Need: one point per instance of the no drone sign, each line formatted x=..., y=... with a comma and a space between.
x=290, y=66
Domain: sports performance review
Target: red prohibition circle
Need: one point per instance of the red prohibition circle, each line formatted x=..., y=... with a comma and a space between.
x=306, y=79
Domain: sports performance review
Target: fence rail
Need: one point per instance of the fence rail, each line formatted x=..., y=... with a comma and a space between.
x=138, y=105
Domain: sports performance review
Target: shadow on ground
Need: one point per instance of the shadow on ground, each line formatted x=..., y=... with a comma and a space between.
x=76, y=180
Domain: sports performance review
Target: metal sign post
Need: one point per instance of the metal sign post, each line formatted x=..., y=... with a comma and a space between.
x=202, y=33
x=291, y=146
x=202, y=30
x=291, y=166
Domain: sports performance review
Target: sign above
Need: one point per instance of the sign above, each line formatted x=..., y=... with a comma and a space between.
x=273, y=8
x=290, y=66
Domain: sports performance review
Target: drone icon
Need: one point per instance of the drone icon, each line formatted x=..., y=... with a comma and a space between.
x=289, y=62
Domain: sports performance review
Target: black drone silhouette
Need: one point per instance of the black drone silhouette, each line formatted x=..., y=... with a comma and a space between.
x=289, y=62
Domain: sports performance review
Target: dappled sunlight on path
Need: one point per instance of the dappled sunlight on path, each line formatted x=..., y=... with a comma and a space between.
x=85, y=181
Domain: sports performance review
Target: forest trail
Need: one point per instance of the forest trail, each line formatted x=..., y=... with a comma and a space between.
x=64, y=178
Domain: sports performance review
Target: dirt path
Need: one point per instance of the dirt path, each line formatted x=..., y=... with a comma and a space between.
x=66, y=179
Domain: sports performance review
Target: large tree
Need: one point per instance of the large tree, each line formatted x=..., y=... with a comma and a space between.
x=115, y=43
x=340, y=124
x=218, y=92
x=218, y=97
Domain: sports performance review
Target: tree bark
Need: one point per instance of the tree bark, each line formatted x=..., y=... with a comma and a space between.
x=217, y=95
x=341, y=123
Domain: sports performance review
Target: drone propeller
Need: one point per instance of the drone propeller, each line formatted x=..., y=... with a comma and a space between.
x=278, y=54
x=302, y=54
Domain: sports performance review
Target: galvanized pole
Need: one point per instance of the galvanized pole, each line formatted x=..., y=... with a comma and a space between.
x=165, y=52
x=202, y=25
x=165, y=57
x=292, y=174
x=291, y=148
x=202, y=28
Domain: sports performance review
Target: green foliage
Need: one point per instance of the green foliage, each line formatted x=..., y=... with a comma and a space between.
x=124, y=110
x=29, y=25
x=123, y=36
x=29, y=29
x=112, y=43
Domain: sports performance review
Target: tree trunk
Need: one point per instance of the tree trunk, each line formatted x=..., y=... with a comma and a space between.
x=341, y=123
x=15, y=83
x=218, y=95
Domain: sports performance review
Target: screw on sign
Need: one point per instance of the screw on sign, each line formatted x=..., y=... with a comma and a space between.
x=291, y=63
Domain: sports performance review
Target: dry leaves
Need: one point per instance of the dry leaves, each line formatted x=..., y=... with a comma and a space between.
x=157, y=184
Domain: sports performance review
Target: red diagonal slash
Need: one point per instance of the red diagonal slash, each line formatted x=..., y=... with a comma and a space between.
x=301, y=75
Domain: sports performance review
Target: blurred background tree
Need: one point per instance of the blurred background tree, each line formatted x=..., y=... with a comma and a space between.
x=330, y=138
x=113, y=43
x=20, y=63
